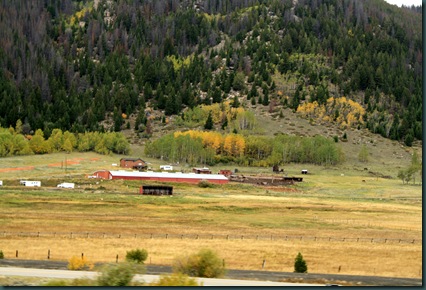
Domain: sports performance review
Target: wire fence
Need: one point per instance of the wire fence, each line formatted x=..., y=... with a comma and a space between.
x=97, y=235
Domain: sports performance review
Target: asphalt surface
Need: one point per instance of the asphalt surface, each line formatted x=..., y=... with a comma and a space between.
x=141, y=278
x=350, y=280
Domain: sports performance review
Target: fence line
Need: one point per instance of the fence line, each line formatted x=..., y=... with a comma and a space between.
x=93, y=235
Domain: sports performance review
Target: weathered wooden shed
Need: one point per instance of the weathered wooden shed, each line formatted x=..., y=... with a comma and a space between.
x=156, y=190
x=134, y=163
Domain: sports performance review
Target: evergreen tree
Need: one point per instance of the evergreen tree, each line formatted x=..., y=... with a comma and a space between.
x=209, y=122
x=235, y=102
x=300, y=264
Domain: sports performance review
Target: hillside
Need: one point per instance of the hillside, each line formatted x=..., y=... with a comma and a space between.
x=95, y=65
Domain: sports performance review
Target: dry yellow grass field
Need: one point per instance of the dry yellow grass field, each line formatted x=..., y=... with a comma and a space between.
x=336, y=221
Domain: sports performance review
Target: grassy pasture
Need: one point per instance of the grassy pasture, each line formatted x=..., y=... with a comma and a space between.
x=325, y=205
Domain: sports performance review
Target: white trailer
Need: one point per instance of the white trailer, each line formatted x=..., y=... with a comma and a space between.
x=31, y=183
x=1, y=182
x=166, y=167
x=66, y=185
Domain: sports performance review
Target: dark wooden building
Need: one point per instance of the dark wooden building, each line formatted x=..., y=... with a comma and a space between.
x=156, y=190
x=134, y=163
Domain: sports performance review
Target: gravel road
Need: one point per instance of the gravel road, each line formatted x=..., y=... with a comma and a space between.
x=350, y=280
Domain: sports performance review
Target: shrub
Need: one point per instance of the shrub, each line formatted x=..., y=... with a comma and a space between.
x=1, y=255
x=176, y=279
x=79, y=263
x=117, y=274
x=205, y=184
x=205, y=263
x=74, y=282
x=56, y=283
x=138, y=256
x=300, y=264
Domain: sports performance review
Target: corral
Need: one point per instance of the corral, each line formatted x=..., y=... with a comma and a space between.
x=265, y=180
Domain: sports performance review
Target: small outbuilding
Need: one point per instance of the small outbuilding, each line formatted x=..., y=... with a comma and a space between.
x=203, y=170
x=225, y=172
x=156, y=190
x=134, y=163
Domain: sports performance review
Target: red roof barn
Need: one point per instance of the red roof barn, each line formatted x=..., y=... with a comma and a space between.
x=134, y=163
x=162, y=176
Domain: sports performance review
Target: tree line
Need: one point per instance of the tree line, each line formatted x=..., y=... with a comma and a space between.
x=14, y=142
x=206, y=147
x=71, y=65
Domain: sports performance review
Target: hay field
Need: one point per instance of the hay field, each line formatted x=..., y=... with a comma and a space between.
x=370, y=227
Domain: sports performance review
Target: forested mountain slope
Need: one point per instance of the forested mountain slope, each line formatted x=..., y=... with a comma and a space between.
x=74, y=64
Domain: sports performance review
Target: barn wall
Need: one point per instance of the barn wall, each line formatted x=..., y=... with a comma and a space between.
x=166, y=179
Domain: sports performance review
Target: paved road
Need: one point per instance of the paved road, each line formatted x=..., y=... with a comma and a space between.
x=246, y=274
x=68, y=274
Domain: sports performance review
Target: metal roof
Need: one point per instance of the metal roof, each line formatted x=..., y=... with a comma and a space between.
x=167, y=175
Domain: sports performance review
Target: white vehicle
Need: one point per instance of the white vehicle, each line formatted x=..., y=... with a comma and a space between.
x=66, y=185
x=166, y=167
x=31, y=183
x=1, y=182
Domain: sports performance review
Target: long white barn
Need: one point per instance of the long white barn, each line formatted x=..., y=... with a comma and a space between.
x=161, y=176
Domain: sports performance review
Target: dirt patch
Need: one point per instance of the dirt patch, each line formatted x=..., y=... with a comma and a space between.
x=68, y=162
x=17, y=169
x=282, y=189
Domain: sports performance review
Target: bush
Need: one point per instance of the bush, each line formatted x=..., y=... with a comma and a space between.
x=56, y=283
x=117, y=274
x=176, y=280
x=79, y=263
x=300, y=264
x=205, y=263
x=138, y=256
x=205, y=184
x=1, y=255
x=74, y=282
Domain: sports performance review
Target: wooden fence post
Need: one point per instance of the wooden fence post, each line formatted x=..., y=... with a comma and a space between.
x=48, y=254
x=116, y=258
x=82, y=256
x=16, y=254
x=263, y=264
